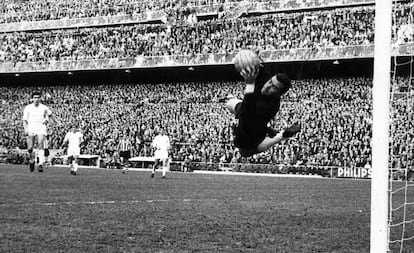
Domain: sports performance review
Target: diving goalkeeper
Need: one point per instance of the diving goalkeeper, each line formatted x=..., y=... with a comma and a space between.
x=259, y=106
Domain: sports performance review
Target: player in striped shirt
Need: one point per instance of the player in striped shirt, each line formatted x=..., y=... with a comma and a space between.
x=124, y=149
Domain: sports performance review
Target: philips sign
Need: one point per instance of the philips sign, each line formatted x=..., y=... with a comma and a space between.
x=354, y=172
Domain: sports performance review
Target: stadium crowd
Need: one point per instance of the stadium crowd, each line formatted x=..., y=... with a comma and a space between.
x=335, y=115
x=312, y=29
x=402, y=152
x=203, y=38
x=52, y=10
x=31, y=10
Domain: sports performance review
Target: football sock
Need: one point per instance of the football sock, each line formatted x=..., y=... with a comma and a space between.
x=41, y=156
x=74, y=166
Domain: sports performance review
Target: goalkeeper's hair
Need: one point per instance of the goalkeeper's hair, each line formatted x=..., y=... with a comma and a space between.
x=285, y=80
x=36, y=93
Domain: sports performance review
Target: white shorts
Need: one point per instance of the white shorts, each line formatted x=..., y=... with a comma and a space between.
x=36, y=129
x=73, y=151
x=161, y=154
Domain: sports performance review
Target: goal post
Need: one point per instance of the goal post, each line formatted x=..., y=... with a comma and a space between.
x=380, y=127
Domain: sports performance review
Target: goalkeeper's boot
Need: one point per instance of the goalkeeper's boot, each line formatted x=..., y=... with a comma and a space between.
x=271, y=132
x=292, y=130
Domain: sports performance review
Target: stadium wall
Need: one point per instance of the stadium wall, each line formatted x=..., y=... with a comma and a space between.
x=296, y=70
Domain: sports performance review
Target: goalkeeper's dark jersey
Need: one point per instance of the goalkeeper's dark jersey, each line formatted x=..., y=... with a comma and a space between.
x=254, y=113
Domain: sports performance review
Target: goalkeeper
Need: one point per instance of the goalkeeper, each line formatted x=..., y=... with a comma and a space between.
x=259, y=106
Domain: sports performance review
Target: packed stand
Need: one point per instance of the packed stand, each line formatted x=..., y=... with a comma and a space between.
x=31, y=10
x=21, y=11
x=313, y=30
x=335, y=115
x=402, y=128
x=339, y=27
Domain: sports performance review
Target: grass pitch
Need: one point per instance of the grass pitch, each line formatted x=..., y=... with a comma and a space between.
x=107, y=211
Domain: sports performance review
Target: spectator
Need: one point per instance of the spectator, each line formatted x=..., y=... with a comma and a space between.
x=340, y=106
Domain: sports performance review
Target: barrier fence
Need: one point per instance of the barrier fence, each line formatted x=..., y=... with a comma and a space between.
x=94, y=161
x=299, y=54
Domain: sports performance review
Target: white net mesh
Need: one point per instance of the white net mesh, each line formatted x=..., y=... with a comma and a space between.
x=401, y=183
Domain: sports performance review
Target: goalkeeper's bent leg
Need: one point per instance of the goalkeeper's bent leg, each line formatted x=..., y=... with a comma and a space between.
x=268, y=142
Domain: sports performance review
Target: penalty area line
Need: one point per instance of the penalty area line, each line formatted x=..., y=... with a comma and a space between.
x=103, y=202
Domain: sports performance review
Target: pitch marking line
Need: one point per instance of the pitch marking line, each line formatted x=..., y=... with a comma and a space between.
x=105, y=202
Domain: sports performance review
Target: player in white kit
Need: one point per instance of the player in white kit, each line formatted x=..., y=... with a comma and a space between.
x=161, y=143
x=35, y=119
x=74, y=138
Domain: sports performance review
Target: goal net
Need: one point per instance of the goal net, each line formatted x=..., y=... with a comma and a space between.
x=392, y=196
x=401, y=183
